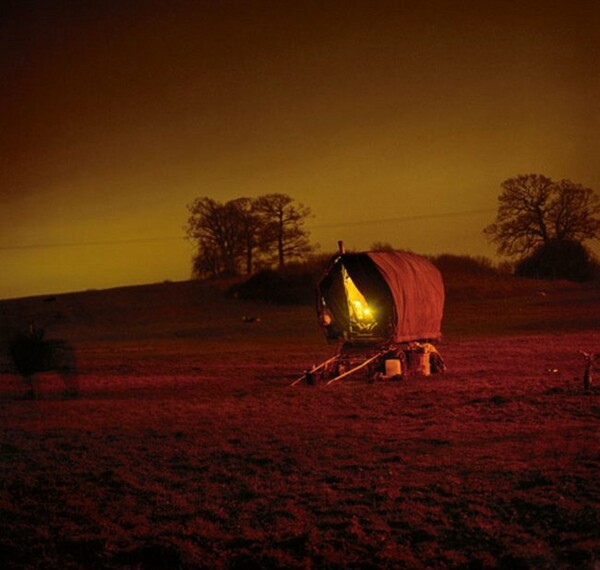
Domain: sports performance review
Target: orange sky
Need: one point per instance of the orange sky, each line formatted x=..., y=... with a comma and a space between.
x=386, y=118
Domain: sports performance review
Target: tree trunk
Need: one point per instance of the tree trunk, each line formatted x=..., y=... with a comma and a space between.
x=280, y=241
x=249, y=259
x=280, y=251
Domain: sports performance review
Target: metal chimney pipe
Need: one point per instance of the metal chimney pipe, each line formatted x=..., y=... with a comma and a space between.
x=341, y=247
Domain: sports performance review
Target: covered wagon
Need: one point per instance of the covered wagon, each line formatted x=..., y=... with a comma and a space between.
x=384, y=309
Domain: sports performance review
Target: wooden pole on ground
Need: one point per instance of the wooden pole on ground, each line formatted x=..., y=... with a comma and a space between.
x=314, y=369
x=355, y=369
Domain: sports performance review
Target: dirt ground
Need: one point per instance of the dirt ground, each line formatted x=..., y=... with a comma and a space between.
x=187, y=448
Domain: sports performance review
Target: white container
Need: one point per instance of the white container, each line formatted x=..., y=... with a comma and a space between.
x=393, y=367
x=422, y=365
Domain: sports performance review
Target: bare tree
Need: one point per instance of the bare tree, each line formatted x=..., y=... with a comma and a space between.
x=230, y=236
x=283, y=227
x=533, y=210
x=216, y=229
x=250, y=226
x=573, y=212
x=207, y=260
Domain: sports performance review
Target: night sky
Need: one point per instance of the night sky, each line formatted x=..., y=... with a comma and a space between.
x=393, y=121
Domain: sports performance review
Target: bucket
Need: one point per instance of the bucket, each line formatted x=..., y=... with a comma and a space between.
x=393, y=367
x=421, y=364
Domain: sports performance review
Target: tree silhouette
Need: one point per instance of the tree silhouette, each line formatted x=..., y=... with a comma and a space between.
x=215, y=227
x=534, y=210
x=283, y=227
x=249, y=224
x=230, y=235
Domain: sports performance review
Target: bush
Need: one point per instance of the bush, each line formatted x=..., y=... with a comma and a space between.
x=464, y=264
x=277, y=287
x=558, y=259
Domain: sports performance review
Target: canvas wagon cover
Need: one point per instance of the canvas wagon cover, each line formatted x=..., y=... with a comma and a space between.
x=417, y=288
x=405, y=290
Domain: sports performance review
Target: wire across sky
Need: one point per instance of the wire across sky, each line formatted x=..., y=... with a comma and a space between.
x=315, y=226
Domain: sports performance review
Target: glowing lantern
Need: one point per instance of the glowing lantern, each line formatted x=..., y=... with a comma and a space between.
x=359, y=311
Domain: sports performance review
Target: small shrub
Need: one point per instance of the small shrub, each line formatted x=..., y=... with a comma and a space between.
x=465, y=264
x=558, y=259
x=277, y=287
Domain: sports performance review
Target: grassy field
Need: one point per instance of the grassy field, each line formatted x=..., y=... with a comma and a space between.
x=188, y=449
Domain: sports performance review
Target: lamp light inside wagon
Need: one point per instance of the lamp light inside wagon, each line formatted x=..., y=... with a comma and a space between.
x=362, y=311
x=357, y=304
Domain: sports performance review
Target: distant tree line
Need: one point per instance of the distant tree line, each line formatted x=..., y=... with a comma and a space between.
x=541, y=224
x=246, y=234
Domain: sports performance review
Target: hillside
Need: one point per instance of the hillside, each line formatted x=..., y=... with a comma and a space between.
x=187, y=447
x=183, y=311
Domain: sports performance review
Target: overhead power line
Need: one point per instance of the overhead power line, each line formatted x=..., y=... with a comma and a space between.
x=404, y=219
x=91, y=243
x=179, y=238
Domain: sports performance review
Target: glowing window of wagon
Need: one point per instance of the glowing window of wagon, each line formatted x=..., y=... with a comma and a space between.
x=359, y=311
